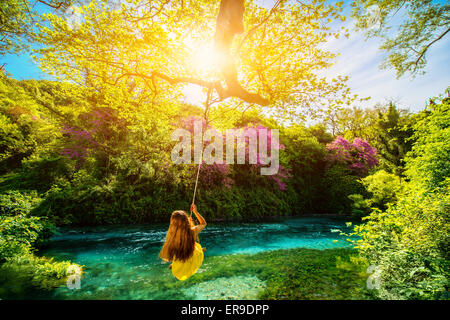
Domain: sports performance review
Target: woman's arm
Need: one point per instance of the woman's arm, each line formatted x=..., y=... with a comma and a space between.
x=202, y=220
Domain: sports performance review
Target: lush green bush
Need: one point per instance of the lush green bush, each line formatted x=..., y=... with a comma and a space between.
x=240, y=203
x=14, y=203
x=338, y=183
x=427, y=163
x=383, y=189
x=29, y=272
x=20, y=234
x=360, y=206
x=304, y=157
x=409, y=241
x=113, y=203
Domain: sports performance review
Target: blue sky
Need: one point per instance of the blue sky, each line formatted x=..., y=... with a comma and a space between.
x=359, y=59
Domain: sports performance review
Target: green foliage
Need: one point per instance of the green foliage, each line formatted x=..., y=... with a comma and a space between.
x=16, y=20
x=354, y=123
x=383, y=188
x=427, y=164
x=14, y=203
x=31, y=116
x=241, y=203
x=394, y=133
x=18, y=231
x=424, y=23
x=338, y=183
x=20, y=235
x=360, y=205
x=304, y=156
x=89, y=203
x=409, y=240
x=28, y=272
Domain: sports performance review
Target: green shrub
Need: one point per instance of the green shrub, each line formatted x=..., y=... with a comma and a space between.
x=18, y=234
x=409, y=240
x=240, y=203
x=29, y=272
x=360, y=206
x=383, y=187
x=338, y=183
x=15, y=203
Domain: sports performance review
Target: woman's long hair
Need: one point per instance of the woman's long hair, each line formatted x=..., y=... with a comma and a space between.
x=180, y=239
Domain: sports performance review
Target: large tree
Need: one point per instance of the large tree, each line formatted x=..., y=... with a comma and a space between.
x=271, y=58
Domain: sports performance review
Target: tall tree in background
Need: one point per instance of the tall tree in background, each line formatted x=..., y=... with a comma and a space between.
x=425, y=23
x=354, y=122
x=393, y=138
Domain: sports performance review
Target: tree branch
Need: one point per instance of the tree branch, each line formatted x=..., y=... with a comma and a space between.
x=232, y=90
x=416, y=63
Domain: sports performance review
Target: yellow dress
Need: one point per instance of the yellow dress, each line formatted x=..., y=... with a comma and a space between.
x=183, y=270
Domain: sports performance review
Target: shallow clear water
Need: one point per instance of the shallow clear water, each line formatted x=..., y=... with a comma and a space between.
x=121, y=262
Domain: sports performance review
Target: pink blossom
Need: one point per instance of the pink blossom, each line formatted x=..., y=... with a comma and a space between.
x=359, y=156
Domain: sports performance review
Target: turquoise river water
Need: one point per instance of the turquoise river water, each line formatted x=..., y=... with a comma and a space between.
x=121, y=262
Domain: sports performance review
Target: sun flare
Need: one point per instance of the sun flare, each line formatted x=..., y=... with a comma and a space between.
x=203, y=57
x=194, y=94
x=204, y=60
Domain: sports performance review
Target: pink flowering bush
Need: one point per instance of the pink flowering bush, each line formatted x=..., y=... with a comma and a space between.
x=215, y=174
x=359, y=156
x=220, y=174
x=211, y=175
x=80, y=142
x=279, y=179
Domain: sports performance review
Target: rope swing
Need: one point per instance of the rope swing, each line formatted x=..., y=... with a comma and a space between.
x=205, y=116
x=196, y=179
x=230, y=22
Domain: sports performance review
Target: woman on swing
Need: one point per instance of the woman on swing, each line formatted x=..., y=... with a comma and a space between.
x=181, y=247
